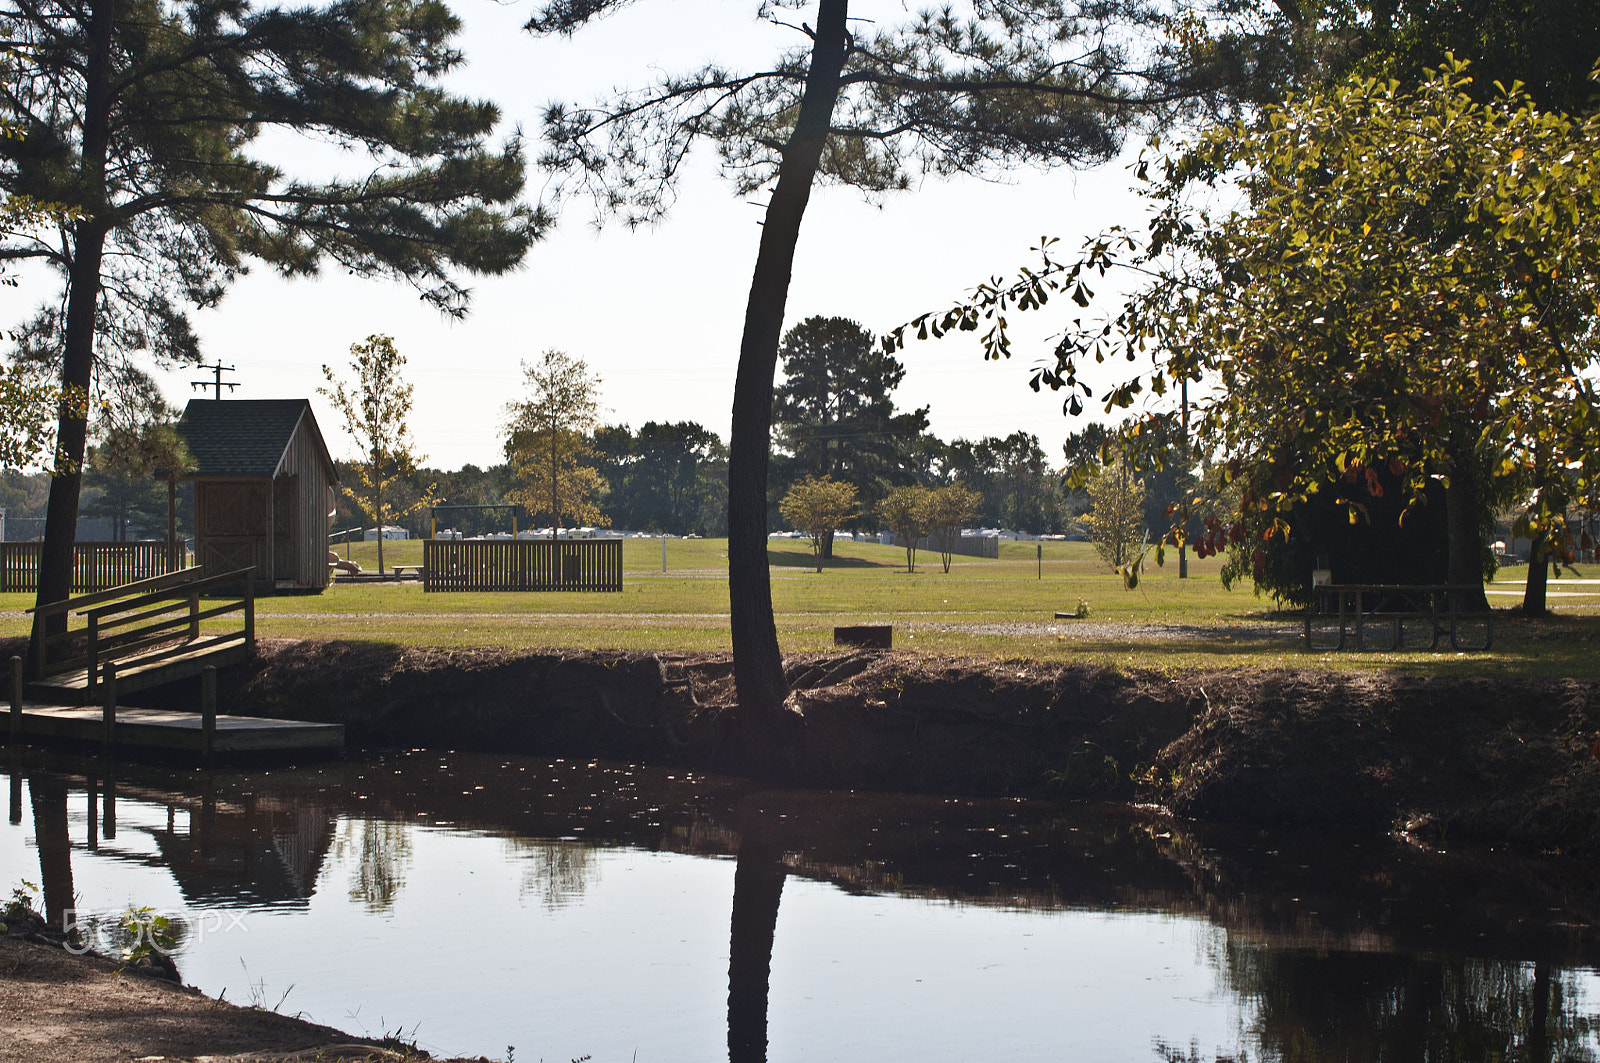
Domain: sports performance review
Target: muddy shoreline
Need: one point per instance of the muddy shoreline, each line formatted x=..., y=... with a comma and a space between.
x=1464, y=760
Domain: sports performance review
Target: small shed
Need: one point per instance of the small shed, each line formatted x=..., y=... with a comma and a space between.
x=263, y=489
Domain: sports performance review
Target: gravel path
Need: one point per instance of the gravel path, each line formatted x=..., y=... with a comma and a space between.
x=1122, y=631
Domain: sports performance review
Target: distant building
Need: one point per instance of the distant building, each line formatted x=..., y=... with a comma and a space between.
x=263, y=492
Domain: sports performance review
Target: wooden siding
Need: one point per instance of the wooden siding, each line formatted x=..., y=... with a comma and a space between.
x=522, y=565
x=279, y=528
x=95, y=567
x=300, y=516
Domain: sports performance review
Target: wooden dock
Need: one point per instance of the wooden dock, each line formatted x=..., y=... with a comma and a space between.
x=168, y=731
x=142, y=635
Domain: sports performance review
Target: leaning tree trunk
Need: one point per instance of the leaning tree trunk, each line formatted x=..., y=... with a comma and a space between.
x=83, y=294
x=757, y=660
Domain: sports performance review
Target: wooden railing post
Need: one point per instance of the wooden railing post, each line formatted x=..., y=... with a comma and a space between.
x=94, y=652
x=108, y=818
x=109, y=689
x=16, y=700
x=208, y=711
x=250, y=607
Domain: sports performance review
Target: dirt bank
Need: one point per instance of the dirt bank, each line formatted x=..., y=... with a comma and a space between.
x=1479, y=760
x=56, y=1007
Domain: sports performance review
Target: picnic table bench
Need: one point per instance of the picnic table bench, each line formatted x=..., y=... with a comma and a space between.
x=1359, y=607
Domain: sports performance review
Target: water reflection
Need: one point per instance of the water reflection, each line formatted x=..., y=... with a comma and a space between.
x=1385, y=1006
x=555, y=871
x=380, y=851
x=1318, y=948
x=241, y=848
x=49, y=795
x=757, y=889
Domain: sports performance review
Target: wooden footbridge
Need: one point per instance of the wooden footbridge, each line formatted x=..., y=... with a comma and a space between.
x=138, y=636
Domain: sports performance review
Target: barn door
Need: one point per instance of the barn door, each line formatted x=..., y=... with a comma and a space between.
x=231, y=527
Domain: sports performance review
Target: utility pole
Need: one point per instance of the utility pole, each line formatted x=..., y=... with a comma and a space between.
x=1183, y=553
x=217, y=381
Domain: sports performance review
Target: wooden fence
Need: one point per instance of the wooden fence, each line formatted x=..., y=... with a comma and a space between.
x=522, y=565
x=95, y=566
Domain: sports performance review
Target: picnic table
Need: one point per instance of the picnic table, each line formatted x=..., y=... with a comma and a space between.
x=1358, y=608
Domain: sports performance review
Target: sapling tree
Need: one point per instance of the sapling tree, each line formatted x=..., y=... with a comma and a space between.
x=548, y=444
x=948, y=510
x=904, y=511
x=376, y=407
x=1116, y=517
x=817, y=506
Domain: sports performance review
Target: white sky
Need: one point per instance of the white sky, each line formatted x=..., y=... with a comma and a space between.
x=657, y=313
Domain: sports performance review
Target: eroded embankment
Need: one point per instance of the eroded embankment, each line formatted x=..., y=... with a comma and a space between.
x=1479, y=760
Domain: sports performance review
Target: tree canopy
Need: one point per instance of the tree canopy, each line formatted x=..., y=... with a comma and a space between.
x=137, y=118
x=818, y=506
x=666, y=477
x=834, y=411
x=1410, y=283
x=548, y=443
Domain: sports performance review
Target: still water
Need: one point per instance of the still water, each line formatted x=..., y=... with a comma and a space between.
x=472, y=903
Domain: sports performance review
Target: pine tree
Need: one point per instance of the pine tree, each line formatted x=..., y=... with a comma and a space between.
x=1024, y=82
x=136, y=117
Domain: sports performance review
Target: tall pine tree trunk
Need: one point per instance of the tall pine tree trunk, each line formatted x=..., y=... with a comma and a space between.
x=77, y=366
x=757, y=660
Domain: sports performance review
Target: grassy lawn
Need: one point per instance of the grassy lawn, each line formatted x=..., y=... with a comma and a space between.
x=995, y=608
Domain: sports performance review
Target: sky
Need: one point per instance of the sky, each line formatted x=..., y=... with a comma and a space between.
x=656, y=313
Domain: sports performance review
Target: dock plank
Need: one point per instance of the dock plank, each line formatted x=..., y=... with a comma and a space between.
x=135, y=675
x=175, y=731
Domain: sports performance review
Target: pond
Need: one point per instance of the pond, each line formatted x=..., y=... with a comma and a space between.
x=471, y=903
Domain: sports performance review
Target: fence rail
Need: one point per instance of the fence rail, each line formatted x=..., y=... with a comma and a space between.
x=95, y=566
x=522, y=565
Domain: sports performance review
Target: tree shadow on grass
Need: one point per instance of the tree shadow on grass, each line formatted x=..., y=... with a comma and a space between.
x=802, y=557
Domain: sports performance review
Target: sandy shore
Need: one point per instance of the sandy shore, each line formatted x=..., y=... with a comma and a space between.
x=56, y=1007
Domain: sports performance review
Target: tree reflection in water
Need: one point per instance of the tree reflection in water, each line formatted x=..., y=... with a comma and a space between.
x=1317, y=1007
x=1328, y=948
x=382, y=855
x=49, y=795
x=555, y=870
x=757, y=889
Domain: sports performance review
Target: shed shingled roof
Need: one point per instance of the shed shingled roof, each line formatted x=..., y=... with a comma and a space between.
x=243, y=437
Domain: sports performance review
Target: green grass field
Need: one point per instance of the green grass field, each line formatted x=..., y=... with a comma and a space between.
x=994, y=608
